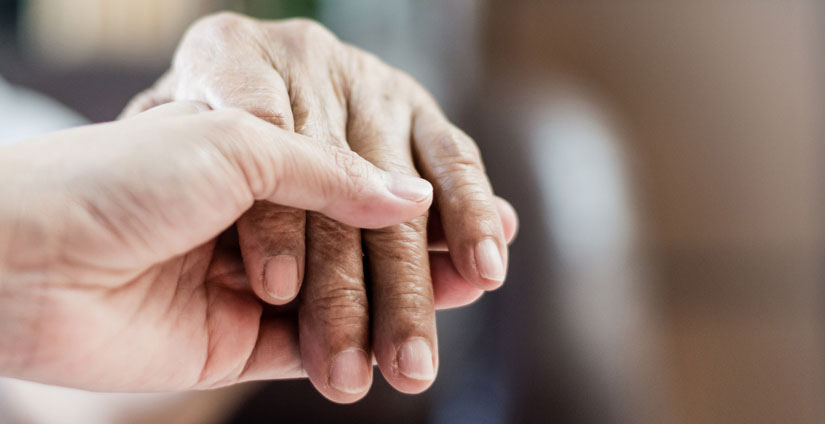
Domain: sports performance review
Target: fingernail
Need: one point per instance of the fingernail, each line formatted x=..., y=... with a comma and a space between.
x=281, y=277
x=350, y=371
x=415, y=360
x=488, y=260
x=409, y=188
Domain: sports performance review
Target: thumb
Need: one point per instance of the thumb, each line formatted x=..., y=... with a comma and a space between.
x=294, y=170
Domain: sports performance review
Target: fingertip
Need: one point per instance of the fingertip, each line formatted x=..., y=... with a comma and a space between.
x=489, y=264
x=281, y=278
x=343, y=397
x=409, y=366
x=450, y=289
x=366, y=196
x=350, y=374
x=272, y=242
x=415, y=360
x=414, y=367
x=407, y=198
x=377, y=212
x=334, y=313
x=409, y=188
x=509, y=218
x=481, y=264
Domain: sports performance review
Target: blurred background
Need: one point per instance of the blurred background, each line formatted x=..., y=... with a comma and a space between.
x=665, y=158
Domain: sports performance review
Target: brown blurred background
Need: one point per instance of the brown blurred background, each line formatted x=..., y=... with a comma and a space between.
x=666, y=161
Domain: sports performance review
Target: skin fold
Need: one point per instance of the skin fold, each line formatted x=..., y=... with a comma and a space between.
x=298, y=76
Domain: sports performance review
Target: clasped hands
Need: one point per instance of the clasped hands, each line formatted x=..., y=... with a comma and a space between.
x=138, y=284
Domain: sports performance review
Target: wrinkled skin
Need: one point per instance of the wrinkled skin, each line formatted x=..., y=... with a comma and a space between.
x=300, y=77
x=113, y=276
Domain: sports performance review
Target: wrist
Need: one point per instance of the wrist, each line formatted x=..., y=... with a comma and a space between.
x=26, y=233
x=20, y=305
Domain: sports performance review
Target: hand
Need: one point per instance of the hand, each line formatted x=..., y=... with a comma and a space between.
x=112, y=273
x=297, y=75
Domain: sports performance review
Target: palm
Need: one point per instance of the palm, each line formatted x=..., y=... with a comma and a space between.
x=118, y=313
x=189, y=322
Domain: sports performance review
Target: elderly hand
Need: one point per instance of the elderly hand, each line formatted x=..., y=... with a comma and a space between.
x=298, y=76
x=112, y=276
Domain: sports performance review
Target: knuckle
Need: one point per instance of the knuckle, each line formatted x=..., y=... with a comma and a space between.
x=334, y=250
x=361, y=63
x=275, y=223
x=354, y=169
x=309, y=29
x=267, y=211
x=456, y=147
x=220, y=26
x=411, y=297
x=302, y=37
x=400, y=254
x=344, y=159
x=400, y=84
x=374, y=152
x=458, y=167
x=421, y=96
x=341, y=307
x=400, y=240
x=386, y=156
x=472, y=196
x=470, y=210
x=467, y=195
x=331, y=232
x=252, y=91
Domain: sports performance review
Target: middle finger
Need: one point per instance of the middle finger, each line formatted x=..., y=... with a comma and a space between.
x=403, y=326
x=333, y=313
